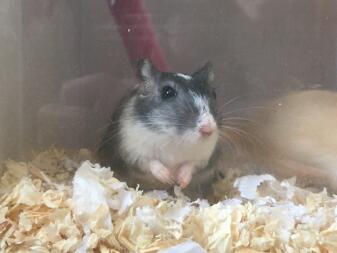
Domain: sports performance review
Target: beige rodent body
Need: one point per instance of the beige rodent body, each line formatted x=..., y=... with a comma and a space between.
x=299, y=134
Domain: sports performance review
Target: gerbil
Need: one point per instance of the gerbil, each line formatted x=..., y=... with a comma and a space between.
x=299, y=133
x=165, y=131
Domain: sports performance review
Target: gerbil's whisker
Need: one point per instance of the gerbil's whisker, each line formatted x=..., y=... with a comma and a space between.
x=231, y=119
x=232, y=144
x=246, y=109
x=237, y=130
x=243, y=134
x=110, y=135
x=230, y=101
x=236, y=118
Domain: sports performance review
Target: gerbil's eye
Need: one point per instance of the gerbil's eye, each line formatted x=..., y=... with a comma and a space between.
x=168, y=92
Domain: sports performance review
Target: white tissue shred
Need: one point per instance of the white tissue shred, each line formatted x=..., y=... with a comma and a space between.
x=88, y=193
x=247, y=185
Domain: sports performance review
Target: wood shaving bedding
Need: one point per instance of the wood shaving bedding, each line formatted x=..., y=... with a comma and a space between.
x=87, y=209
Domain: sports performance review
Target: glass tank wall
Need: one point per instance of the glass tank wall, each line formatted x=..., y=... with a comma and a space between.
x=64, y=64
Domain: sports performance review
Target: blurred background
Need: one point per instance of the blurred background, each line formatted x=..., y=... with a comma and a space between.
x=64, y=64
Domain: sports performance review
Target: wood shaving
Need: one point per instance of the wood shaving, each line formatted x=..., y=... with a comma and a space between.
x=62, y=203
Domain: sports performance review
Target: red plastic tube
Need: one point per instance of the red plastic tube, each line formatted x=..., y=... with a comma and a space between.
x=136, y=29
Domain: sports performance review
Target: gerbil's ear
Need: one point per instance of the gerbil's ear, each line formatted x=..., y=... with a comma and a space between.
x=147, y=74
x=205, y=74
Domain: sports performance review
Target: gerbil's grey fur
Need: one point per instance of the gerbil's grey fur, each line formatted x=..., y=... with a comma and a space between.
x=157, y=136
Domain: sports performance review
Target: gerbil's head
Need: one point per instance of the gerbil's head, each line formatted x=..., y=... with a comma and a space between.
x=176, y=104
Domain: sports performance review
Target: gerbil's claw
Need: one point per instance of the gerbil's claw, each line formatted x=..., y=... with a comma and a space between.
x=160, y=172
x=184, y=175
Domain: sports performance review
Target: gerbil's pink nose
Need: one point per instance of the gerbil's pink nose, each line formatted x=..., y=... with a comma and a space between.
x=206, y=129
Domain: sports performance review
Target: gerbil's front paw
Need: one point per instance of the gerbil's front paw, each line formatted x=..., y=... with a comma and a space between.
x=184, y=175
x=160, y=172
